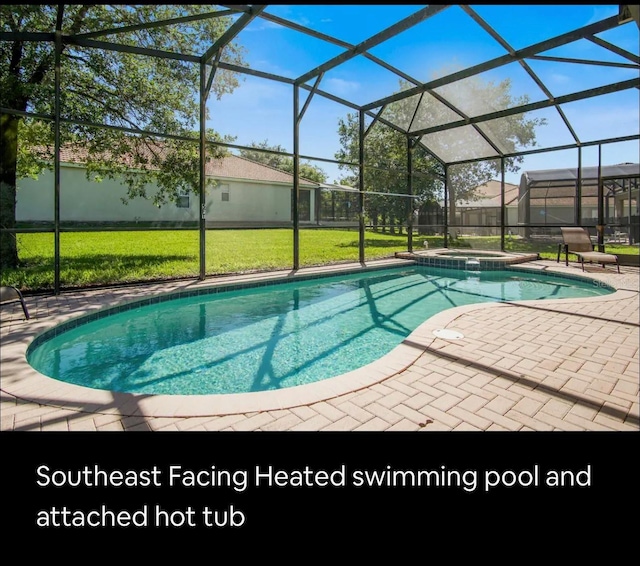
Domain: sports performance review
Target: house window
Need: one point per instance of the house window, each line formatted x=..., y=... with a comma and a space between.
x=182, y=201
x=225, y=193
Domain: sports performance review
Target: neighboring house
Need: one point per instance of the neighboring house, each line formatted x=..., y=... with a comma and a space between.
x=482, y=215
x=549, y=196
x=247, y=193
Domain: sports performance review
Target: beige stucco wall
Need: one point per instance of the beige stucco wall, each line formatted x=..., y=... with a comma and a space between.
x=87, y=201
x=250, y=202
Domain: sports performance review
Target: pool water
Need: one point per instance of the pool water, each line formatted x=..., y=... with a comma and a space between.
x=274, y=336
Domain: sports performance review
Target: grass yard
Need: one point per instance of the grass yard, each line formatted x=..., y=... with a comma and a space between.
x=103, y=258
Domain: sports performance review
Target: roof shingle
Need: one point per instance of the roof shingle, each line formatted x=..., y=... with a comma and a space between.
x=227, y=167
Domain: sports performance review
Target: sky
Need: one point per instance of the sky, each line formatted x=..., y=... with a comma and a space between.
x=260, y=109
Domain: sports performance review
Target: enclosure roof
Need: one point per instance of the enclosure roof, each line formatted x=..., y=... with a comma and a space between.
x=431, y=72
x=531, y=178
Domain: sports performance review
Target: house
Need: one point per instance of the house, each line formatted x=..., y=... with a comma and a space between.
x=550, y=197
x=482, y=215
x=246, y=193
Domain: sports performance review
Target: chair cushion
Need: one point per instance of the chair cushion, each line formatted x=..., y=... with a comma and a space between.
x=598, y=257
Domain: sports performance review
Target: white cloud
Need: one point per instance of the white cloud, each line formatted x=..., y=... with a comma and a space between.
x=340, y=87
x=270, y=67
x=261, y=26
x=559, y=79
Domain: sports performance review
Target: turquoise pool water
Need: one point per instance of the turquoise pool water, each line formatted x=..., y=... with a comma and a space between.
x=274, y=336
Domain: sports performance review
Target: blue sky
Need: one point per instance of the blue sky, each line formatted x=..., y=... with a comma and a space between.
x=262, y=110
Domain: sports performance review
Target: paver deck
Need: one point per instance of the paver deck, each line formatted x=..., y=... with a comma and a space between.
x=547, y=365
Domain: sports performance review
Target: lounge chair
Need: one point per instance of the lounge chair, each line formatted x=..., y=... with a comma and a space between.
x=10, y=294
x=578, y=242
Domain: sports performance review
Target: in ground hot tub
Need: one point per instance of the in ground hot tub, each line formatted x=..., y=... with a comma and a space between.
x=467, y=258
x=470, y=254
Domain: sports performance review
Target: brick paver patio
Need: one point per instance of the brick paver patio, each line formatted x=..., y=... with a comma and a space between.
x=564, y=365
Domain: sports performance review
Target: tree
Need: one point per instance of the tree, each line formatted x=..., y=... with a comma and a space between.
x=385, y=157
x=386, y=148
x=106, y=87
x=282, y=162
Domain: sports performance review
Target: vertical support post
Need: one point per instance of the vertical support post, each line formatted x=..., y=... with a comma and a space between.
x=361, y=187
x=629, y=241
x=446, y=206
x=296, y=177
x=525, y=203
x=579, y=189
x=503, y=209
x=203, y=171
x=600, y=226
x=410, y=193
x=56, y=165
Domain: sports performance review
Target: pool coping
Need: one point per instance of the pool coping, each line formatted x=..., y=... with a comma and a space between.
x=19, y=379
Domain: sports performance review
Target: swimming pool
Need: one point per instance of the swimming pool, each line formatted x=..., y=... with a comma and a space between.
x=274, y=336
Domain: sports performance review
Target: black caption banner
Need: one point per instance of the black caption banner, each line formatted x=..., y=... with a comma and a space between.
x=229, y=488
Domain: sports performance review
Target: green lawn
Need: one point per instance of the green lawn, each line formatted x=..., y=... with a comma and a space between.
x=99, y=258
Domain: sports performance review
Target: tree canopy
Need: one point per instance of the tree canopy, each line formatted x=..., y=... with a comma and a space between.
x=385, y=151
x=385, y=156
x=109, y=88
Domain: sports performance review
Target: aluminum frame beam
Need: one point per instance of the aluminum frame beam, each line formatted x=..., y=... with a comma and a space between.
x=563, y=39
x=107, y=46
x=296, y=178
x=614, y=48
x=242, y=22
x=374, y=40
x=153, y=25
x=56, y=150
x=582, y=95
x=550, y=149
x=585, y=62
x=202, y=148
x=505, y=45
x=27, y=36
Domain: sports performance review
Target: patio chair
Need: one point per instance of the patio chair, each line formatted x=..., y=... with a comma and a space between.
x=10, y=294
x=578, y=242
